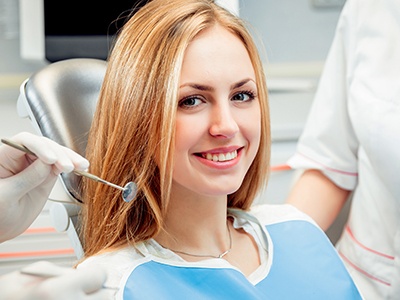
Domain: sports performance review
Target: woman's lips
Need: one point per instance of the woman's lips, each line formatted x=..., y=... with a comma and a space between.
x=220, y=158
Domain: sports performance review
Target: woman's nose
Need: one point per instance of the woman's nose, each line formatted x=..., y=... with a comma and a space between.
x=223, y=122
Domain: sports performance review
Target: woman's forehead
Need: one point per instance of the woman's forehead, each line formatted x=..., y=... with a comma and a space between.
x=215, y=54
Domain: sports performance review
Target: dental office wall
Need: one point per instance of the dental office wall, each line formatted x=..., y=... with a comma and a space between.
x=294, y=38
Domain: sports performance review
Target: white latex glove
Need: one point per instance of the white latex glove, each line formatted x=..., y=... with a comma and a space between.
x=68, y=284
x=26, y=181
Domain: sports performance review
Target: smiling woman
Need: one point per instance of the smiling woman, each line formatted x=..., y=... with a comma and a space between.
x=183, y=112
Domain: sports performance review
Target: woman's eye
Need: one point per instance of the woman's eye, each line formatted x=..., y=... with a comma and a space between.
x=243, y=96
x=190, y=102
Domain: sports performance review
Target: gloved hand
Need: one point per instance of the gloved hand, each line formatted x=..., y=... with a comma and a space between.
x=62, y=283
x=26, y=181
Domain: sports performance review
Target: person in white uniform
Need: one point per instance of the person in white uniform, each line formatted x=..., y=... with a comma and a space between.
x=25, y=184
x=183, y=112
x=350, y=145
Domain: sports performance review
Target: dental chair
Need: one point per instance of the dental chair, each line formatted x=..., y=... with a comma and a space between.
x=60, y=101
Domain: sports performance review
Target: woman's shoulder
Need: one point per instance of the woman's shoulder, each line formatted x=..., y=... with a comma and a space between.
x=116, y=263
x=114, y=256
x=277, y=213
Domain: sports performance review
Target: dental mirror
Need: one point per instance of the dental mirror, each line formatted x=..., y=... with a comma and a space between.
x=128, y=191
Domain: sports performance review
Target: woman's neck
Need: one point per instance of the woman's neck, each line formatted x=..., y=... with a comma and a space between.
x=195, y=224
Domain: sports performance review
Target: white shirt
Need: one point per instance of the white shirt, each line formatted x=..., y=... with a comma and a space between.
x=353, y=136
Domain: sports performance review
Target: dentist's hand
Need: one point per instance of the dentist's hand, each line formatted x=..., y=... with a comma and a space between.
x=26, y=181
x=66, y=283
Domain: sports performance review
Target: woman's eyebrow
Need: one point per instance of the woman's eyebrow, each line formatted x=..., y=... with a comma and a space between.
x=198, y=86
x=242, y=83
x=202, y=87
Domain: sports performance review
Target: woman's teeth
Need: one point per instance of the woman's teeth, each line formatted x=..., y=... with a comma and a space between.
x=220, y=156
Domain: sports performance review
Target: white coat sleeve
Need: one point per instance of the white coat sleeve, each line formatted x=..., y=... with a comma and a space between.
x=328, y=141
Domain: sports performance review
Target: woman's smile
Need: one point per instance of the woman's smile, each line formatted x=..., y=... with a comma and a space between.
x=220, y=158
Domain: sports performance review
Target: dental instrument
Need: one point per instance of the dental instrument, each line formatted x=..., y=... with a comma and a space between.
x=128, y=191
x=51, y=274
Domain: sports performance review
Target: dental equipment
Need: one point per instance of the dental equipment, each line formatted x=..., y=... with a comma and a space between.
x=128, y=191
x=51, y=274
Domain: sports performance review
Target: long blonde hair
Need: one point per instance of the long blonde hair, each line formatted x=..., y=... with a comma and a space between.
x=134, y=123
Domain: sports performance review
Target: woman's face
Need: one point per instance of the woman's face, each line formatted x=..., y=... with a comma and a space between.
x=218, y=119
